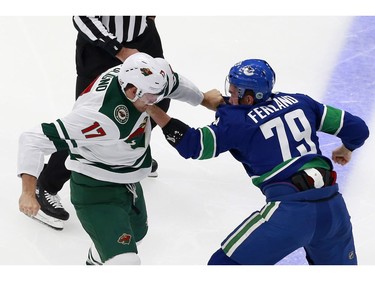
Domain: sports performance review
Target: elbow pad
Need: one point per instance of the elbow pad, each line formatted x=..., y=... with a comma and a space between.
x=174, y=131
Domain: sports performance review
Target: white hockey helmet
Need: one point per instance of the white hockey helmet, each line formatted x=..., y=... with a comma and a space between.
x=146, y=74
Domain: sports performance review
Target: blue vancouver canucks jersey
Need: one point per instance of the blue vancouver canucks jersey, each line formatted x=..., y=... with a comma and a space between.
x=276, y=138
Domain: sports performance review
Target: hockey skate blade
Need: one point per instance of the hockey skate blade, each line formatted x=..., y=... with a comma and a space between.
x=153, y=175
x=52, y=222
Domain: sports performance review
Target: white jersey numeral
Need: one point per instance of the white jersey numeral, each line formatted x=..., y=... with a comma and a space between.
x=300, y=128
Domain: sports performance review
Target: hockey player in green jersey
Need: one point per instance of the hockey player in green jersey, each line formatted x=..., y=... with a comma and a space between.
x=108, y=134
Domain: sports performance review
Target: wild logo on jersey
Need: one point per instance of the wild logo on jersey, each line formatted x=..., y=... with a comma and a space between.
x=124, y=239
x=121, y=114
x=137, y=139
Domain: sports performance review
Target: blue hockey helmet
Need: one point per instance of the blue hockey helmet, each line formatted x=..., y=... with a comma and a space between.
x=253, y=74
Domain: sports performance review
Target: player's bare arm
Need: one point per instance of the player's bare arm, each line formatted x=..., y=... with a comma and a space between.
x=27, y=201
x=160, y=117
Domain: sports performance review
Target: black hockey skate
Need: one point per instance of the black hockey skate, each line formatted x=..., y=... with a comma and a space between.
x=154, y=167
x=51, y=212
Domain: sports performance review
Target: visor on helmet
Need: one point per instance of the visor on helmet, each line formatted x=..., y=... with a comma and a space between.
x=148, y=98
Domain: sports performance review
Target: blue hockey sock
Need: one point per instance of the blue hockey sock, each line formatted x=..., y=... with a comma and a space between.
x=220, y=258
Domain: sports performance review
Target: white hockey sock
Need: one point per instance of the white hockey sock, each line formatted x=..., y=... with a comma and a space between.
x=124, y=259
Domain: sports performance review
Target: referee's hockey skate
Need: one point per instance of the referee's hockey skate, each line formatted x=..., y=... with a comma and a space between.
x=52, y=222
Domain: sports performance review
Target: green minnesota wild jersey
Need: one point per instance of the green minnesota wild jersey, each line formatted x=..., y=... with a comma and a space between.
x=107, y=137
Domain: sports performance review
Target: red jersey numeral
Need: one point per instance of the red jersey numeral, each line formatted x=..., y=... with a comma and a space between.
x=96, y=126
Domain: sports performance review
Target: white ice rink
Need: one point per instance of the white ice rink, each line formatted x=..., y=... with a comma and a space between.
x=192, y=205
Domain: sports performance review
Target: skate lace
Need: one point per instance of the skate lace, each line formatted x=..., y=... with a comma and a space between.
x=133, y=189
x=54, y=200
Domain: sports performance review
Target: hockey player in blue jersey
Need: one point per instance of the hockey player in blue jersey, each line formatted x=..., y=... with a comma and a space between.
x=274, y=136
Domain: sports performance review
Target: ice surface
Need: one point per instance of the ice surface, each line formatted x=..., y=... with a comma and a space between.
x=192, y=205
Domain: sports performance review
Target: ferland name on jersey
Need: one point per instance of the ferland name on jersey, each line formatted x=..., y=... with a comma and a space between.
x=279, y=103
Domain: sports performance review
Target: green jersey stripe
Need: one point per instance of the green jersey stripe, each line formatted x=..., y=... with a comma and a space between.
x=332, y=120
x=50, y=131
x=258, y=180
x=208, y=143
x=65, y=132
x=317, y=162
x=176, y=80
x=142, y=162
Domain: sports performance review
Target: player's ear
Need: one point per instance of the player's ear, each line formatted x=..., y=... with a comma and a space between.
x=249, y=100
x=130, y=91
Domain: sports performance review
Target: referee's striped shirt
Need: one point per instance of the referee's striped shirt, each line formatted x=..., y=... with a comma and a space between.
x=109, y=32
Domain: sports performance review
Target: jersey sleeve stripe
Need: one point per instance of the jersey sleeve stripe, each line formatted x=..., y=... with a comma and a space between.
x=65, y=133
x=332, y=122
x=341, y=123
x=208, y=143
x=84, y=28
x=323, y=117
x=50, y=131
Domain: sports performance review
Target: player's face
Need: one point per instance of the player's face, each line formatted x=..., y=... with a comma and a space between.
x=141, y=102
x=150, y=99
x=145, y=100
